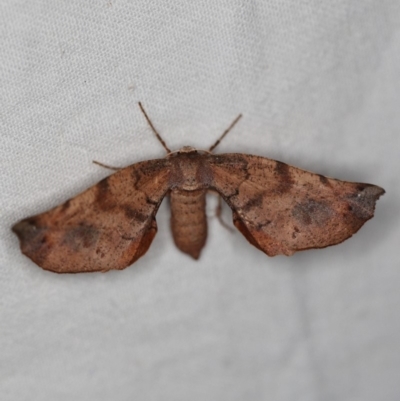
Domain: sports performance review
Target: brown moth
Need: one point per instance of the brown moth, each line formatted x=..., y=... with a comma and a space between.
x=280, y=209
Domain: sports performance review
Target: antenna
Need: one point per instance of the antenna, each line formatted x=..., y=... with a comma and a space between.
x=153, y=129
x=225, y=132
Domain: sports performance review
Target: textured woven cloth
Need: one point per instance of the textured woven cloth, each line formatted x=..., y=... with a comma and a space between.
x=318, y=85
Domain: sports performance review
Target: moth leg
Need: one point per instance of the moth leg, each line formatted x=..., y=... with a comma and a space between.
x=218, y=215
x=106, y=166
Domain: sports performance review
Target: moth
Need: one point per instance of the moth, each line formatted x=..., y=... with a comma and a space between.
x=280, y=209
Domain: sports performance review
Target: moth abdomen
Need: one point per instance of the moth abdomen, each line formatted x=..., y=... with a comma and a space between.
x=189, y=220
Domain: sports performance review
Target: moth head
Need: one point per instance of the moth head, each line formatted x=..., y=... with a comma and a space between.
x=185, y=150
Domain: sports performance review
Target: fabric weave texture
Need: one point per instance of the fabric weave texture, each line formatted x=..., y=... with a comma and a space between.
x=318, y=85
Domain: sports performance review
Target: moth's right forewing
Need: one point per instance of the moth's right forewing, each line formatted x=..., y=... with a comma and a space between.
x=108, y=226
x=282, y=209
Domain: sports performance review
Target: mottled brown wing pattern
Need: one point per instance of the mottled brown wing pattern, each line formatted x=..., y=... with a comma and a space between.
x=282, y=209
x=109, y=226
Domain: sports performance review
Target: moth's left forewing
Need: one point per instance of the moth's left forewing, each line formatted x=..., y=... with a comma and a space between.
x=108, y=226
x=282, y=209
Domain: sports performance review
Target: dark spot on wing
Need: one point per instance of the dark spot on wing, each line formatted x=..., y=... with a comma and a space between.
x=82, y=236
x=362, y=202
x=323, y=179
x=135, y=176
x=27, y=231
x=311, y=211
x=100, y=253
x=281, y=168
x=66, y=205
x=284, y=177
x=254, y=202
x=361, y=187
x=33, y=240
x=133, y=214
x=260, y=226
x=104, y=200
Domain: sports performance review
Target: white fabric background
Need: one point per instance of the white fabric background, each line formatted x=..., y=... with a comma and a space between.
x=318, y=85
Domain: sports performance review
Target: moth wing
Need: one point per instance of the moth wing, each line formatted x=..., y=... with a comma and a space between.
x=109, y=226
x=282, y=209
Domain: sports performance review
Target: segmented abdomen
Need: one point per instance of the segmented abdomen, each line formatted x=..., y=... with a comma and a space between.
x=189, y=220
